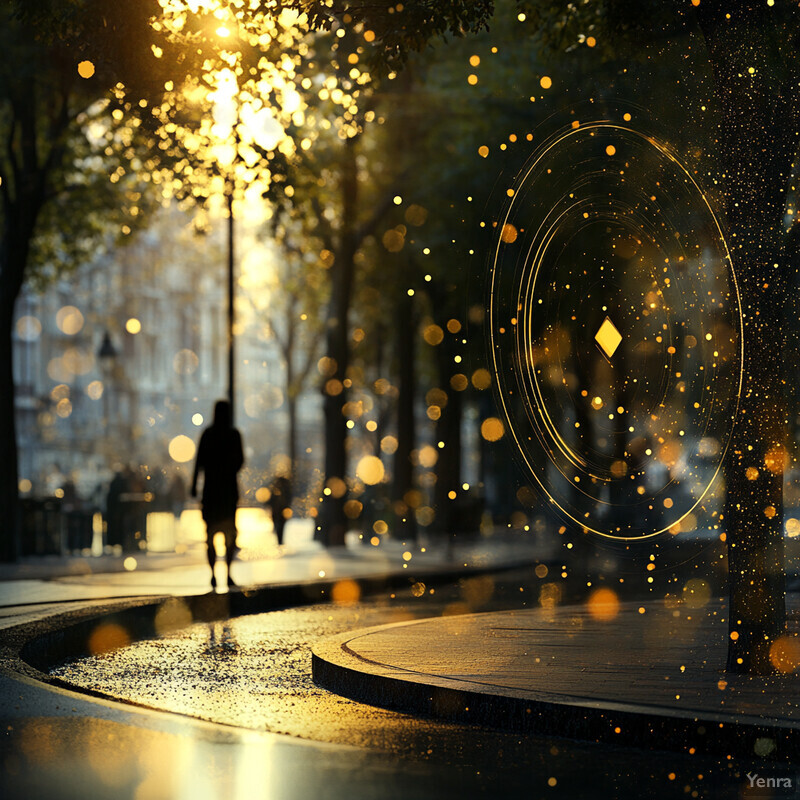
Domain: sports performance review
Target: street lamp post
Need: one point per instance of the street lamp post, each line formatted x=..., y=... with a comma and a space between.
x=106, y=355
x=229, y=191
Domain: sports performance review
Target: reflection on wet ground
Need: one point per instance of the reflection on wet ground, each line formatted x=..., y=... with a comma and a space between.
x=255, y=672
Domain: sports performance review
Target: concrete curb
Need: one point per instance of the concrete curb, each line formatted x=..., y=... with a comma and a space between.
x=337, y=668
x=34, y=648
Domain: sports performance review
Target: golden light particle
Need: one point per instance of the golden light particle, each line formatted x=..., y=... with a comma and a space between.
x=492, y=429
x=335, y=487
x=608, y=337
x=345, y=592
x=591, y=41
x=370, y=470
x=509, y=233
x=263, y=494
x=389, y=445
x=784, y=653
x=770, y=512
x=407, y=556
x=597, y=403
x=472, y=79
x=776, y=459
x=133, y=326
x=352, y=509
x=668, y=502
x=436, y=397
x=69, y=320
x=483, y=151
x=453, y=325
x=611, y=150
x=393, y=240
x=64, y=408
x=86, y=69
x=546, y=82
x=626, y=117
x=481, y=379
x=459, y=382
x=551, y=781
x=369, y=36
x=333, y=387
x=734, y=635
x=603, y=604
x=474, y=61
x=751, y=473
x=181, y=449
x=108, y=636
x=433, y=335
x=428, y=456
x=541, y=570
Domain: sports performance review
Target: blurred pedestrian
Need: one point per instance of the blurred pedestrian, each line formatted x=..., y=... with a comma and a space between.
x=219, y=458
x=115, y=510
x=280, y=501
x=177, y=495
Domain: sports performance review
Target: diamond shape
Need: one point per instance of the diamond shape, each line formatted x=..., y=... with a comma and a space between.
x=608, y=337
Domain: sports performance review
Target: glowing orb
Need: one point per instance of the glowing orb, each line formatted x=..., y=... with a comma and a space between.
x=181, y=449
x=615, y=330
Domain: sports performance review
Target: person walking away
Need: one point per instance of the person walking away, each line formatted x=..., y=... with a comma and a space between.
x=219, y=458
x=280, y=500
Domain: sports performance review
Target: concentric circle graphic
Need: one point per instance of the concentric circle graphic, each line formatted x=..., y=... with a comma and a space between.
x=615, y=331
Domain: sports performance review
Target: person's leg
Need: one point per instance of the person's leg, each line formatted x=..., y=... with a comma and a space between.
x=230, y=551
x=212, y=555
x=278, y=523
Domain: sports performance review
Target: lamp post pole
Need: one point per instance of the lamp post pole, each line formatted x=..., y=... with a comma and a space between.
x=107, y=355
x=229, y=190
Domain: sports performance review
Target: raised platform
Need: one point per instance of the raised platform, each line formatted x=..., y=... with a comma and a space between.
x=651, y=675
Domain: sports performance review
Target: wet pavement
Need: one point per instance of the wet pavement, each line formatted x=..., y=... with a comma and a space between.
x=255, y=673
x=59, y=580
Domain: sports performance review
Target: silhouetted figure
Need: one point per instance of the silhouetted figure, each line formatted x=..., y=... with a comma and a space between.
x=280, y=500
x=219, y=457
x=115, y=513
x=177, y=495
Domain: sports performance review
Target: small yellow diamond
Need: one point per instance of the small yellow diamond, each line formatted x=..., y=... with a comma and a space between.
x=608, y=337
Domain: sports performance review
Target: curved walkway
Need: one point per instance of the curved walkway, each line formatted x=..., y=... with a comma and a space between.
x=652, y=675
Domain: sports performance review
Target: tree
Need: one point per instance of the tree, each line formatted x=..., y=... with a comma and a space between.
x=58, y=143
x=294, y=315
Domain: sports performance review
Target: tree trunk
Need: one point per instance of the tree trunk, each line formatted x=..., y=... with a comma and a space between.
x=448, y=467
x=13, y=256
x=332, y=519
x=294, y=467
x=757, y=141
x=406, y=523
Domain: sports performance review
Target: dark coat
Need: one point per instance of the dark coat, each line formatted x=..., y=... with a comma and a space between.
x=219, y=457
